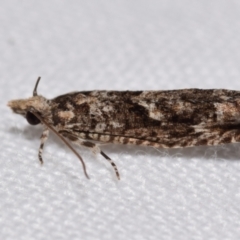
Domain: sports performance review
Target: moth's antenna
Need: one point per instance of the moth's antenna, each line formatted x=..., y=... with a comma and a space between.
x=63, y=139
x=35, y=88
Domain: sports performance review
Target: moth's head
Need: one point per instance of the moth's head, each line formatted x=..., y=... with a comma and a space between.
x=27, y=107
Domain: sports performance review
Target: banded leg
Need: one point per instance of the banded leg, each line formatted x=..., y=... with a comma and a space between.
x=112, y=163
x=44, y=137
x=94, y=147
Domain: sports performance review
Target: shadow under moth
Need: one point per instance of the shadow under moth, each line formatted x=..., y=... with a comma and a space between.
x=166, y=119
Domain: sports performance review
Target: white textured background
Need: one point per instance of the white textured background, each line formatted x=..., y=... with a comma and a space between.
x=121, y=45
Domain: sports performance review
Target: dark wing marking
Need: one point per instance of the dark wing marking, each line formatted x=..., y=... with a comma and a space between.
x=175, y=118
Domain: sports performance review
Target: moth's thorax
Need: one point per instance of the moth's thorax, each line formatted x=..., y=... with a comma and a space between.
x=37, y=104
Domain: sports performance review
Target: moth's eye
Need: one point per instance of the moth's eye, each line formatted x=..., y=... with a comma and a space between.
x=32, y=119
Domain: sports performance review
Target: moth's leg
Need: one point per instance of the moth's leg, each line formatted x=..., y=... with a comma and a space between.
x=94, y=147
x=44, y=137
x=112, y=163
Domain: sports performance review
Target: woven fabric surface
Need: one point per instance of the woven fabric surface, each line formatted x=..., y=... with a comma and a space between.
x=168, y=194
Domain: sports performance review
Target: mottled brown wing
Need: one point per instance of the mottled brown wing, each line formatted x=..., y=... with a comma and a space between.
x=177, y=118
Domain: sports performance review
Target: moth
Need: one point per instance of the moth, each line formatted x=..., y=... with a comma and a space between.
x=166, y=119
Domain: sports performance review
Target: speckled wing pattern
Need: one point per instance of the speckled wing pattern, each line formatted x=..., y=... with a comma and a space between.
x=168, y=119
